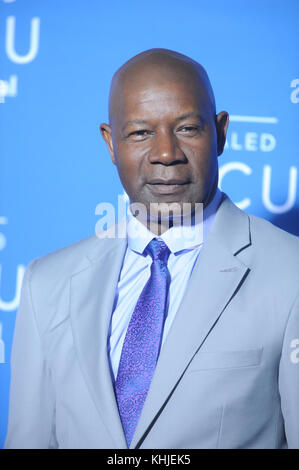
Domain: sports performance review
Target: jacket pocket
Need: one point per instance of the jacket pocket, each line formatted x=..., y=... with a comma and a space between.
x=226, y=359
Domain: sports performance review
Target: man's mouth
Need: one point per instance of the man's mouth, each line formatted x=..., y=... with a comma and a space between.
x=163, y=186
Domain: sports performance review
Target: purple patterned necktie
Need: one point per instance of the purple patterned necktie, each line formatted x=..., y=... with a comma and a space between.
x=143, y=340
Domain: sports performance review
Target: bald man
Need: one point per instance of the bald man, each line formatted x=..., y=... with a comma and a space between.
x=178, y=327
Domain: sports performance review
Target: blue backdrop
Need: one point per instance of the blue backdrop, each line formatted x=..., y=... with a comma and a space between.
x=57, y=58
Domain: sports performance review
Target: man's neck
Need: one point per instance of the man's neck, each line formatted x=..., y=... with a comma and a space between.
x=160, y=225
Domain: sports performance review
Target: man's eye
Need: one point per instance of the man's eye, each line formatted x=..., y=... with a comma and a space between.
x=188, y=129
x=140, y=134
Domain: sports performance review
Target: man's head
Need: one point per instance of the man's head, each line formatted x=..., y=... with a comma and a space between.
x=164, y=135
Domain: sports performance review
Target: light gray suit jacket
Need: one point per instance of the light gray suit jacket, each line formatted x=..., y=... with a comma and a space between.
x=227, y=375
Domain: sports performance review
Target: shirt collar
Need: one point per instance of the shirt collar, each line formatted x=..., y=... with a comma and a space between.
x=177, y=238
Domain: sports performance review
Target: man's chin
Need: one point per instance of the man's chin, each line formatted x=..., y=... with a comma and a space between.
x=175, y=213
x=162, y=211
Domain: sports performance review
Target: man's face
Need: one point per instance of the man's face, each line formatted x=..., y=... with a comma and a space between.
x=163, y=140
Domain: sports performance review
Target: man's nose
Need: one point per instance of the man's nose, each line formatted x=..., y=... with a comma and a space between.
x=166, y=149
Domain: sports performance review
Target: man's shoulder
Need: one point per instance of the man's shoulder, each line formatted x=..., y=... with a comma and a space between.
x=48, y=277
x=68, y=260
x=269, y=237
x=240, y=230
x=274, y=254
x=265, y=248
x=262, y=232
x=270, y=253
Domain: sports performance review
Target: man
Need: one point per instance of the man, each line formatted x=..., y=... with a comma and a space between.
x=155, y=340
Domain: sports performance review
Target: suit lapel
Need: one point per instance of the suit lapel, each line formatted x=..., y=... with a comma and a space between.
x=216, y=277
x=91, y=303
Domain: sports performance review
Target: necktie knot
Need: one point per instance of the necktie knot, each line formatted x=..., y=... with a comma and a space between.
x=158, y=250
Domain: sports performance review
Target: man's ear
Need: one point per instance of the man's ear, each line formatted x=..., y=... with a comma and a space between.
x=222, y=120
x=106, y=133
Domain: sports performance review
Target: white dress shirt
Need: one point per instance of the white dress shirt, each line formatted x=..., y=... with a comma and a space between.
x=135, y=272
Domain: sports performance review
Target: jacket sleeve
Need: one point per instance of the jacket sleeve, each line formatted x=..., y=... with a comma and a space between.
x=31, y=421
x=289, y=378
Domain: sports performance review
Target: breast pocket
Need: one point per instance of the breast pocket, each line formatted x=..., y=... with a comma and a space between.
x=226, y=359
